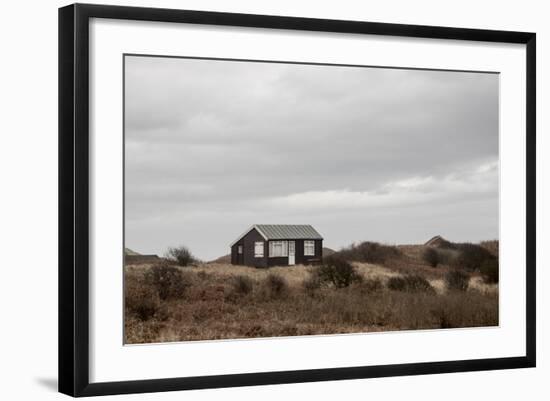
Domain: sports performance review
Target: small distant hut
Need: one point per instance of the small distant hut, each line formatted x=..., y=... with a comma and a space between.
x=134, y=258
x=437, y=241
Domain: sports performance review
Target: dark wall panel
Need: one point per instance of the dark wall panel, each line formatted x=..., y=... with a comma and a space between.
x=248, y=241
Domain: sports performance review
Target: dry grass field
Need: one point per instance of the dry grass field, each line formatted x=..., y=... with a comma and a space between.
x=211, y=301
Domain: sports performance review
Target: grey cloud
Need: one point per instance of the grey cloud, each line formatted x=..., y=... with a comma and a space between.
x=210, y=145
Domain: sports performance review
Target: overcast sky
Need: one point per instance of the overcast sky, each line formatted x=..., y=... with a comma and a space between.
x=388, y=155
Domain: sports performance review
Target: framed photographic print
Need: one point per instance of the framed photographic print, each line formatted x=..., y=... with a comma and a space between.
x=251, y=199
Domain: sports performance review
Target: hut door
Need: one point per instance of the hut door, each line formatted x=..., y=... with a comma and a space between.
x=291, y=252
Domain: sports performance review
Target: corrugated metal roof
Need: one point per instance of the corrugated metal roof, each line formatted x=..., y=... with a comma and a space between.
x=288, y=231
x=282, y=231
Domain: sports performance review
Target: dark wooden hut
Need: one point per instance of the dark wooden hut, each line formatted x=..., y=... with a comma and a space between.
x=264, y=245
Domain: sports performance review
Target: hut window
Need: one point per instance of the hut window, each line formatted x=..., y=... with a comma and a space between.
x=309, y=248
x=240, y=249
x=258, y=249
x=278, y=249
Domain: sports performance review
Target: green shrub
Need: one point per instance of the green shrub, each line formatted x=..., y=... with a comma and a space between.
x=180, y=255
x=410, y=283
x=169, y=281
x=489, y=271
x=471, y=256
x=431, y=256
x=457, y=280
x=369, y=252
x=338, y=272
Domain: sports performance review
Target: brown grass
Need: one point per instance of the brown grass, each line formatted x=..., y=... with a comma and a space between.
x=225, y=301
x=491, y=246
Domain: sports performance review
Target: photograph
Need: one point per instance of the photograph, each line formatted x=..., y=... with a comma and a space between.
x=279, y=199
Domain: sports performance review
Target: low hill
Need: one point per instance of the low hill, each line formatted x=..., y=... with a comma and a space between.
x=225, y=259
x=129, y=252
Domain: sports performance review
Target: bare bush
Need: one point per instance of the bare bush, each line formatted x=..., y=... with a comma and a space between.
x=457, y=280
x=431, y=256
x=410, y=283
x=338, y=272
x=180, y=255
x=489, y=271
x=169, y=281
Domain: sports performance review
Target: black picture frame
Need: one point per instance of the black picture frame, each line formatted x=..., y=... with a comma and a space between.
x=74, y=201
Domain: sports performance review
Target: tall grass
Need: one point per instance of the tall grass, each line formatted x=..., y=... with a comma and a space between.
x=410, y=283
x=263, y=304
x=457, y=280
x=168, y=281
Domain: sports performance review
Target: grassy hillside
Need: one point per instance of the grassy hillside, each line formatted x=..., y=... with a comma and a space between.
x=222, y=259
x=401, y=291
